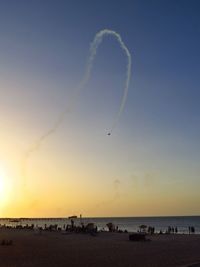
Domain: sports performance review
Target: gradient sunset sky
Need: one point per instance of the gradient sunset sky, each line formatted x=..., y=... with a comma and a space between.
x=150, y=163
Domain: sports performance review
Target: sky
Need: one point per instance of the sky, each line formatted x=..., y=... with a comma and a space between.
x=149, y=165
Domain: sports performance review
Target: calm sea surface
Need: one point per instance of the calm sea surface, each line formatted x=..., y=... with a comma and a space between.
x=130, y=224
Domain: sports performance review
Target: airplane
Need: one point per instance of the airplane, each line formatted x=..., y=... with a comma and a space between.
x=109, y=134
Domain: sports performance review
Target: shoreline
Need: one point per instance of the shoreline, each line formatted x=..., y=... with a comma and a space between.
x=132, y=224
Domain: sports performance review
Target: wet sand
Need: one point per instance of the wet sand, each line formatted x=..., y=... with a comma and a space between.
x=54, y=249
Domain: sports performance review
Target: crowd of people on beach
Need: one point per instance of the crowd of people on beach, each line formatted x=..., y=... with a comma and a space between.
x=80, y=226
x=91, y=228
x=174, y=230
x=170, y=230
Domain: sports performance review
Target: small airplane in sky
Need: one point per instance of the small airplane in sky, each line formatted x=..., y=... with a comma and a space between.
x=109, y=134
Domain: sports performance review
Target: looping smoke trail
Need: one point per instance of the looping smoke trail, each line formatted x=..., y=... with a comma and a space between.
x=93, y=51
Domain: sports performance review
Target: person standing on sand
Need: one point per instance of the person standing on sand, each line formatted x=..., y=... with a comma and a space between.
x=72, y=223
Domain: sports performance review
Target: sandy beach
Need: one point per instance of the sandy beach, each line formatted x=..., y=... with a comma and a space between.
x=54, y=249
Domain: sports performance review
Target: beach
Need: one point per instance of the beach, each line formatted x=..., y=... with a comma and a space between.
x=56, y=249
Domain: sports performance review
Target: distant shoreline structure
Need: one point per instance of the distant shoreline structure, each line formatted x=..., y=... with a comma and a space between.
x=95, y=217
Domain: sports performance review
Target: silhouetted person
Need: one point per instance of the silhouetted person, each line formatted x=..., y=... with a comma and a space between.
x=72, y=223
x=192, y=229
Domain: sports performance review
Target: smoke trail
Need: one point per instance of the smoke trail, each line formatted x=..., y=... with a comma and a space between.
x=93, y=51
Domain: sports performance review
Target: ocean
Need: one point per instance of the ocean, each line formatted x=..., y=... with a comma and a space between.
x=131, y=224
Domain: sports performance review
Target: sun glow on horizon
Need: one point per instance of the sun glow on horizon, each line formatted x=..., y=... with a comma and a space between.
x=4, y=186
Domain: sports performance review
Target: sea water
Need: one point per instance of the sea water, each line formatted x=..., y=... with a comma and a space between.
x=131, y=224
